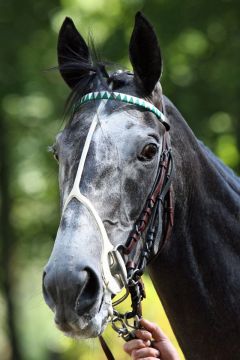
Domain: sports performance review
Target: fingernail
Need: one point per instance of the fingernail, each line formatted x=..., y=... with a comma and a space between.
x=147, y=342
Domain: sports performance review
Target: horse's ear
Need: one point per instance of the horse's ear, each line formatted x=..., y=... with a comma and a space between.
x=73, y=53
x=145, y=55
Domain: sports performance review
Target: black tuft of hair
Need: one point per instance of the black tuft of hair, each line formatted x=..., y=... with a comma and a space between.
x=92, y=75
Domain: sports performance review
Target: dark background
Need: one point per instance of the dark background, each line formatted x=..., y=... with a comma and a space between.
x=200, y=42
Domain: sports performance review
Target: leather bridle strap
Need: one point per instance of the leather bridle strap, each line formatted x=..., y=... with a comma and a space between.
x=161, y=188
x=161, y=195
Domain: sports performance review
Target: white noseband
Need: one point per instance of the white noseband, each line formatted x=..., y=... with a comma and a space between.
x=110, y=258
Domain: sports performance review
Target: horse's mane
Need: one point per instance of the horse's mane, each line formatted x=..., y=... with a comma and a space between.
x=224, y=171
x=92, y=75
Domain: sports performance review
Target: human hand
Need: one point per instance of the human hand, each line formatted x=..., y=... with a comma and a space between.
x=151, y=343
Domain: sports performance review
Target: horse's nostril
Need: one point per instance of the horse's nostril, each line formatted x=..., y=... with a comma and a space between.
x=88, y=293
x=71, y=291
x=46, y=294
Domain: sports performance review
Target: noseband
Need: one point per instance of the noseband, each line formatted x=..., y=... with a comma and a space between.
x=119, y=266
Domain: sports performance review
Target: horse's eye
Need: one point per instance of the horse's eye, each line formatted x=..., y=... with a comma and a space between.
x=148, y=152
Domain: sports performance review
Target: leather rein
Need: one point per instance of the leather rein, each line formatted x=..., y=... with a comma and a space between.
x=150, y=232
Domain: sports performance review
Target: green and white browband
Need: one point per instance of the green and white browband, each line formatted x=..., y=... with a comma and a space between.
x=100, y=95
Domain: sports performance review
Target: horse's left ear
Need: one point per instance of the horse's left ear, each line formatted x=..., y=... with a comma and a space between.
x=73, y=54
x=145, y=55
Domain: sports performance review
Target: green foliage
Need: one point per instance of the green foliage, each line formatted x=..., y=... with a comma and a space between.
x=201, y=50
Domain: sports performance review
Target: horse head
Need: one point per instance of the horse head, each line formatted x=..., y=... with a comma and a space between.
x=109, y=154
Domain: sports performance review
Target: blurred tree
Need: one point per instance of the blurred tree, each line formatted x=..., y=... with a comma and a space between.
x=18, y=24
x=201, y=50
x=7, y=241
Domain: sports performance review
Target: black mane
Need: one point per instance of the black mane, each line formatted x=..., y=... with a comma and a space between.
x=90, y=76
x=223, y=170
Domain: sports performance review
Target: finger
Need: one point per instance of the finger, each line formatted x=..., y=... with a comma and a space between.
x=155, y=330
x=146, y=358
x=143, y=334
x=167, y=349
x=134, y=345
x=144, y=353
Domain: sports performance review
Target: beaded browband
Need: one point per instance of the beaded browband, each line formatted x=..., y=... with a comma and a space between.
x=100, y=95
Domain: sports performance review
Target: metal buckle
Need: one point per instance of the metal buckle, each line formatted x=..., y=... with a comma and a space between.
x=123, y=329
x=118, y=267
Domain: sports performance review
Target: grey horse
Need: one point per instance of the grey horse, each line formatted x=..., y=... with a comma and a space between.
x=197, y=273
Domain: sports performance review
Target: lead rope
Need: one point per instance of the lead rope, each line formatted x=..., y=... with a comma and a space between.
x=129, y=336
x=106, y=348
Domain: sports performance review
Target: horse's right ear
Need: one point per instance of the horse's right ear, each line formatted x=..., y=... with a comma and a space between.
x=145, y=54
x=72, y=52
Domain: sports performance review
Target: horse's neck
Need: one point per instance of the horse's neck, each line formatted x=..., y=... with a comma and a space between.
x=198, y=274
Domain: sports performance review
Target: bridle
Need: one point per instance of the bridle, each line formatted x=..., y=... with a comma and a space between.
x=119, y=267
x=157, y=213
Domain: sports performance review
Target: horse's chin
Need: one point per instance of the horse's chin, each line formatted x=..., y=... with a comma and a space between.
x=86, y=326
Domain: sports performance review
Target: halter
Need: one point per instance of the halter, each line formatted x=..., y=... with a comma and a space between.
x=156, y=214
x=109, y=254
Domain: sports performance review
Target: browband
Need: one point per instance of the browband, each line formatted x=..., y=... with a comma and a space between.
x=100, y=95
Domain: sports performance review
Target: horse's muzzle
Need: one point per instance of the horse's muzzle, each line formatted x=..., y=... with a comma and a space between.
x=71, y=294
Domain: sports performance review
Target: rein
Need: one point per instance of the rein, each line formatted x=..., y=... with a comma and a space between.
x=119, y=267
